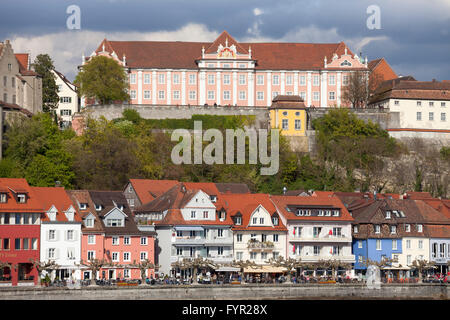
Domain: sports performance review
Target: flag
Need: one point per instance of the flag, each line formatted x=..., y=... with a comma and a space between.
x=331, y=232
x=293, y=248
x=294, y=231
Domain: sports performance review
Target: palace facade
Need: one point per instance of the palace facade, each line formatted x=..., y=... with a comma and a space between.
x=226, y=72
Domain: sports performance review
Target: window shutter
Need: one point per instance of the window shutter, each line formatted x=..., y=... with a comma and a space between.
x=56, y=253
x=56, y=235
x=47, y=235
x=66, y=235
x=47, y=256
x=75, y=235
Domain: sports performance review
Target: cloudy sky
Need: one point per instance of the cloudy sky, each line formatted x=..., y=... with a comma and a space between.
x=414, y=35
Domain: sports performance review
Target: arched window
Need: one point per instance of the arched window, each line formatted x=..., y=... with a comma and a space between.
x=346, y=63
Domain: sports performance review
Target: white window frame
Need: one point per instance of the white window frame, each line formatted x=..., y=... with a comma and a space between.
x=161, y=78
x=260, y=79
x=226, y=95
x=378, y=241
x=115, y=241
x=161, y=95
x=192, y=95
x=91, y=239
x=129, y=256
x=147, y=78
x=242, y=80
x=275, y=80
x=126, y=240
x=192, y=79
x=132, y=78
x=144, y=241
x=211, y=79
x=260, y=95
x=143, y=253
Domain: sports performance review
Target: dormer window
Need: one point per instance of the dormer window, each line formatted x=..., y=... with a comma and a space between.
x=377, y=228
x=401, y=214
x=328, y=213
x=393, y=229
x=388, y=214
x=120, y=207
x=320, y=213
x=21, y=198
x=98, y=207
x=3, y=197
x=335, y=213
x=69, y=215
x=89, y=223
x=83, y=206
x=407, y=227
x=275, y=221
x=396, y=213
x=420, y=228
x=114, y=222
x=222, y=215
x=238, y=220
x=213, y=198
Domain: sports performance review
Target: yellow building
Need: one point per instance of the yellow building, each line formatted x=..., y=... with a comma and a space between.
x=288, y=113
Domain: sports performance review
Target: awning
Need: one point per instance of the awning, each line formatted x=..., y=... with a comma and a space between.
x=228, y=269
x=265, y=269
x=187, y=228
x=396, y=268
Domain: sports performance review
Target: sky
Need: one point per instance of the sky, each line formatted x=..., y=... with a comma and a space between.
x=412, y=35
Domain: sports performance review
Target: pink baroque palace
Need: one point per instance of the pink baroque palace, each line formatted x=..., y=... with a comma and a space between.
x=226, y=72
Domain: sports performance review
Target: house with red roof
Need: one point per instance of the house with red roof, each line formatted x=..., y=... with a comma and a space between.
x=189, y=225
x=20, y=220
x=110, y=233
x=318, y=228
x=258, y=232
x=227, y=72
x=60, y=232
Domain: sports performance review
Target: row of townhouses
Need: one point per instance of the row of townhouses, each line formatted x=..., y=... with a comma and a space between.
x=167, y=221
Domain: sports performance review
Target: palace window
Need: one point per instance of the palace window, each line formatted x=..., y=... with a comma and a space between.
x=146, y=78
x=260, y=79
x=226, y=79
x=176, y=95
x=419, y=116
x=443, y=118
x=431, y=116
x=242, y=95
x=133, y=78
x=344, y=80
x=337, y=232
x=133, y=94
x=331, y=80
x=331, y=95
x=303, y=95
x=226, y=95
x=176, y=79
x=147, y=94
x=192, y=95
x=260, y=95
x=396, y=102
x=242, y=79
x=431, y=104
x=346, y=63
x=284, y=124
x=161, y=78
x=442, y=104
x=192, y=79
x=315, y=80
x=274, y=94
x=298, y=124
x=302, y=80
x=316, y=96
x=289, y=79
x=211, y=95
x=161, y=95
x=275, y=80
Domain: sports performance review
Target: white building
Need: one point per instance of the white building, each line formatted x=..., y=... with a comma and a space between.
x=258, y=233
x=422, y=107
x=319, y=228
x=69, y=103
x=60, y=233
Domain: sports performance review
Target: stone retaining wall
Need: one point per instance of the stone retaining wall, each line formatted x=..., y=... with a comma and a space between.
x=237, y=292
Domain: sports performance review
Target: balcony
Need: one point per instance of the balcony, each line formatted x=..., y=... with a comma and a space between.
x=255, y=245
x=317, y=258
x=318, y=238
x=221, y=258
x=219, y=240
x=188, y=240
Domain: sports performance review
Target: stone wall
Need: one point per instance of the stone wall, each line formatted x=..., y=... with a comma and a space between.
x=234, y=292
x=178, y=112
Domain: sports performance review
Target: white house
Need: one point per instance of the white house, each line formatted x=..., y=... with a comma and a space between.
x=69, y=103
x=60, y=233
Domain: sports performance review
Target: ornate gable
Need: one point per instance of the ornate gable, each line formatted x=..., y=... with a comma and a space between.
x=225, y=46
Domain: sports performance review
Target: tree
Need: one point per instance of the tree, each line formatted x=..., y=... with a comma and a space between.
x=95, y=265
x=143, y=266
x=421, y=266
x=289, y=264
x=104, y=79
x=43, y=65
x=47, y=266
x=195, y=264
x=356, y=92
x=334, y=265
x=35, y=150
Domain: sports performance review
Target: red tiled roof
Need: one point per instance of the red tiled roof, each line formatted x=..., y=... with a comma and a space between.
x=82, y=196
x=179, y=54
x=13, y=185
x=438, y=231
x=281, y=203
x=246, y=204
x=147, y=190
x=323, y=193
x=22, y=58
x=414, y=195
x=55, y=196
x=222, y=39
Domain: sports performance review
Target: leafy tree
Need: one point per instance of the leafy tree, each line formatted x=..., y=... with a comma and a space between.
x=43, y=65
x=143, y=266
x=35, y=150
x=104, y=79
x=357, y=91
x=41, y=266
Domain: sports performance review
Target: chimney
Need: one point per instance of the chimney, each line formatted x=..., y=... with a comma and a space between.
x=284, y=190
